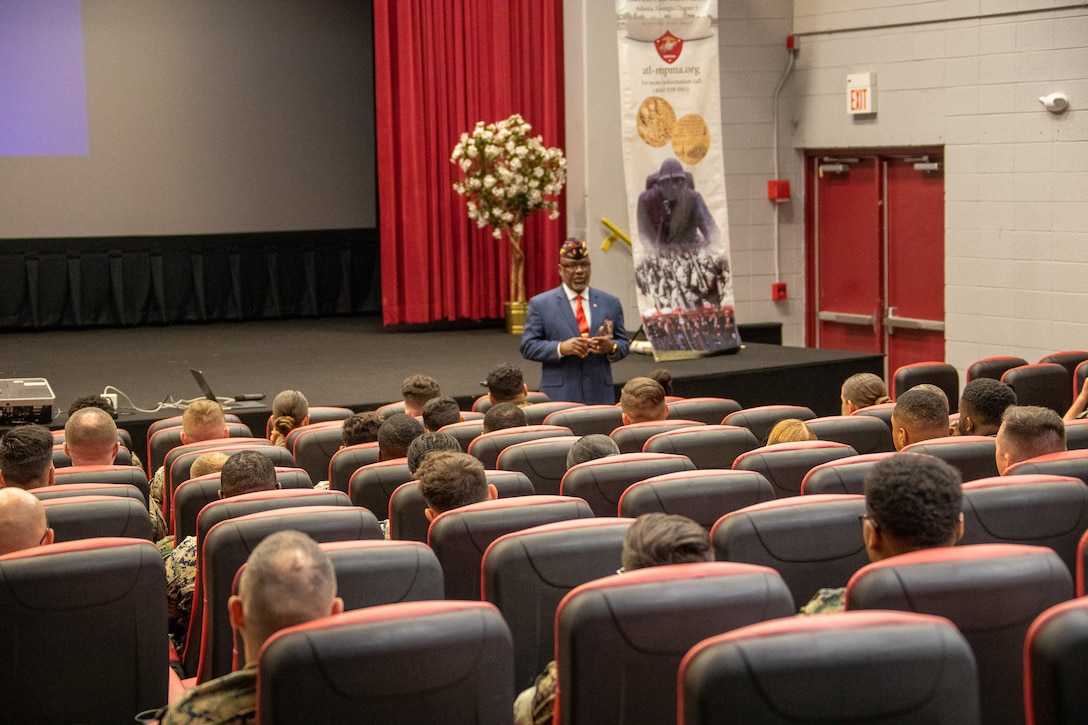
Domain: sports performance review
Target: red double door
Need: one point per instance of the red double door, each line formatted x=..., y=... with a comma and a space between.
x=875, y=262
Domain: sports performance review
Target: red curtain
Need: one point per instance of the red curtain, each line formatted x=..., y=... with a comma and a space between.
x=441, y=66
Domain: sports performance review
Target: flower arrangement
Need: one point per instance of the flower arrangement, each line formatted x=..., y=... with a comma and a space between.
x=507, y=175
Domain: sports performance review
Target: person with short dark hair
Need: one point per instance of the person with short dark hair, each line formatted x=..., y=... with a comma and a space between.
x=912, y=502
x=502, y=416
x=361, y=428
x=590, y=448
x=416, y=390
x=22, y=521
x=506, y=384
x=426, y=444
x=982, y=403
x=919, y=415
x=450, y=480
x=439, y=412
x=244, y=472
x=26, y=457
x=93, y=401
x=643, y=400
x=90, y=438
x=1027, y=431
x=287, y=580
x=396, y=434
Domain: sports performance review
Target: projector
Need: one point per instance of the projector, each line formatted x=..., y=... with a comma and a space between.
x=26, y=400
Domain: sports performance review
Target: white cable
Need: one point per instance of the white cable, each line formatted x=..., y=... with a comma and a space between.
x=774, y=146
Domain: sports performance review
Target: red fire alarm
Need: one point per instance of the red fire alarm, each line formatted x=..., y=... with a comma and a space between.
x=778, y=189
x=778, y=291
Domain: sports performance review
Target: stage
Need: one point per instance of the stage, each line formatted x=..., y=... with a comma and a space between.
x=355, y=363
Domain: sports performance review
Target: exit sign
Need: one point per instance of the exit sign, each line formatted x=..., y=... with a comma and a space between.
x=861, y=93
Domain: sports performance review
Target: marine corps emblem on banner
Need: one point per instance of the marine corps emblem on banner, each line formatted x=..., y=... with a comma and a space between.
x=669, y=47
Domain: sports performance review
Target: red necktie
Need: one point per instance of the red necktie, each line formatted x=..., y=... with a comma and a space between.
x=580, y=316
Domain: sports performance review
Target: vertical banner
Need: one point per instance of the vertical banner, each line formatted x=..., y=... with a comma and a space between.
x=675, y=176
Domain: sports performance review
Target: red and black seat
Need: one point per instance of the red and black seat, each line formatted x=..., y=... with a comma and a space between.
x=632, y=437
x=601, y=482
x=843, y=475
x=711, y=411
x=487, y=446
x=408, y=521
x=1062, y=463
x=786, y=464
x=347, y=461
x=543, y=461
x=993, y=367
x=84, y=517
x=371, y=486
x=193, y=495
x=704, y=496
x=942, y=374
x=1044, y=384
x=762, y=418
x=1056, y=665
x=708, y=446
x=973, y=456
x=588, y=419
x=123, y=475
x=865, y=434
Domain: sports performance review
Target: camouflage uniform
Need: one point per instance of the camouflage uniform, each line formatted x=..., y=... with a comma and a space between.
x=826, y=601
x=227, y=700
x=180, y=582
x=155, y=487
x=536, y=705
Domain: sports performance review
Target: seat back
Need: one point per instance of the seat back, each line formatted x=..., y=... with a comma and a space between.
x=408, y=521
x=482, y=404
x=587, y=419
x=786, y=464
x=992, y=592
x=844, y=475
x=459, y=537
x=465, y=432
x=1045, y=384
x=812, y=541
x=165, y=439
x=175, y=420
x=601, y=482
x=487, y=446
x=124, y=475
x=67, y=490
x=775, y=671
x=883, y=411
x=109, y=596
x=371, y=486
x=196, y=493
x=864, y=433
x=347, y=461
x=543, y=461
x=1068, y=359
x=973, y=456
x=535, y=413
x=61, y=459
x=1076, y=434
x=317, y=414
x=620, y=639
x=226, y=547
x=1056, y=665
x=993, y=367
x=84, y=517
x=942, y=374
x=762, y=418
x=1039, y=510
x=388, y=409
x=314, y=445
x=1063, y=463
x=526, y=573
x=383, y=662
x=704, y=496
x=708, y=446
x=711, y=411
x=631, y=438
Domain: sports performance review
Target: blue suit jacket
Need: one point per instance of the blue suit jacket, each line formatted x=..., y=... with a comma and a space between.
x=549, y=322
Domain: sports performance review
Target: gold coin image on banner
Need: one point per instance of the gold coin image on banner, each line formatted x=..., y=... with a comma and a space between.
x=655, y=121
x=690, y=139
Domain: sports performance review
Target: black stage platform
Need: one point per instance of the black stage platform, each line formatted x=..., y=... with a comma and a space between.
x=353, y=362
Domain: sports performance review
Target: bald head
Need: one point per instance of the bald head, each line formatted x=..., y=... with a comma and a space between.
x=22, y=521
x=90, y=437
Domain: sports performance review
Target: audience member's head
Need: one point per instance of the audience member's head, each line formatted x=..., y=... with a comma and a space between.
x=790, y=430
x=912, y=502
x=93, y=401
x=290, y=410
x=361, y=428
x=22, y=521
x=205, y=463
x=936, y=390
x=203, y=420
x=450, y=480
x=502, y=416
x=663, y=378
x=642, y=400
x=287, y=580
x=440, y=411
x=982, y=404
x=590, y=448
x=861, y=391
x=26, y=457
x=426, y=444
x=247, y=472
x=90, y=438
x=396, y=434
x=417, y=390
x=505, y=384
x=660, y=539
x=919, y=415
x=1028, y=431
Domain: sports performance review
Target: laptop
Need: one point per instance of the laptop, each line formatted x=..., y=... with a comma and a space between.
x=198, y=376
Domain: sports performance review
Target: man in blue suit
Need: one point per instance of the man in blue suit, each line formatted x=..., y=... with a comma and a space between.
x=576, y=366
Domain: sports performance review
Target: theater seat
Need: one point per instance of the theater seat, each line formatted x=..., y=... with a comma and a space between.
x=164, y=440
x=66, y=490
x=601, y=482
x=1056, y=665
x=536, y=413
x=314, y=445
x=710, y=411
x=1063, y=463
x=588, y=419
x=865, y=434
x=408, y=521
x=543, y=461
x=483, y=403
x=318, y=414
x=823, y=669
x=61, y=459
x=123, y=475
x=1043, y=384
x=465, y=432
x=991, y=592
x=1076, y=434
x=526, y=573
x=942, y=374
x=82, y=632
x=973, y=456
x=762, y=418
x=632, y=437
x=347, y=461
x=84, y=517
x=883, y=411
x=1068, y=359
x=843, y=475
x=371, y=486
x=786, y=464
x=620, y=639
x=417, y=663
x=708, y=446
x=704, y=496
x=487, y=446
x=993, y=367
x=196, y=493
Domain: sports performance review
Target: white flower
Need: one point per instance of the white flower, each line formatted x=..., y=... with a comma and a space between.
x=519, y=229
x=489, y=181
x=471, y=152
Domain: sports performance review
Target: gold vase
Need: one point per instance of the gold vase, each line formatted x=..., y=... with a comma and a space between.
x=515, y=316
